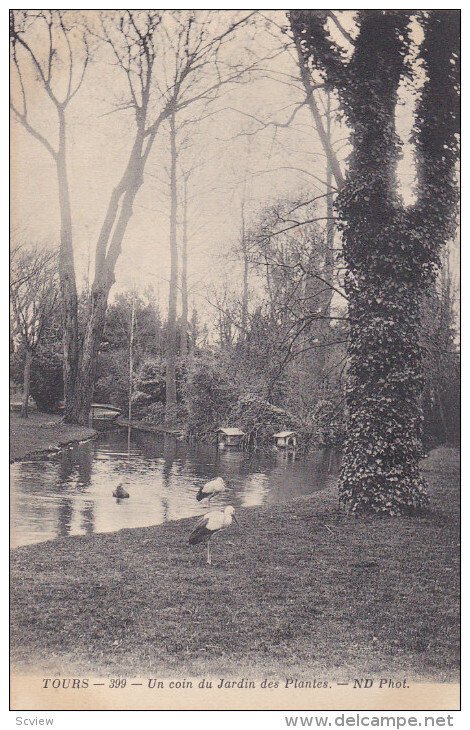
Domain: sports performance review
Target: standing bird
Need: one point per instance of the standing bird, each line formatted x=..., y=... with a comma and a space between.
x=209, y=490
x=209, y=525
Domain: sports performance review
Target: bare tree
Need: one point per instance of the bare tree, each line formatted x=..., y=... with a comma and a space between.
x=191, y=160
x=171, y=345
x=60, y=75
x=159, y=53
x=192, y=46
x=33, y=299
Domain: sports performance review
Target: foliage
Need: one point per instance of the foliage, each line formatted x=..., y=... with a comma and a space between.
x=260, y=419
x=47, y=385
x=150, y=385
x=154, y=412
x=33, y=303
x=148, y=327
x=112, y=383
x=144, y=44
x=209, y=393
x=112, y=375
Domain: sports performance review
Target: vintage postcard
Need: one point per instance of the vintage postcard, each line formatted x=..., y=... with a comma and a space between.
x=235, y=359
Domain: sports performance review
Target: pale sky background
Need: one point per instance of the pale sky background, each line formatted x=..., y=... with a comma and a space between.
x=98, y=144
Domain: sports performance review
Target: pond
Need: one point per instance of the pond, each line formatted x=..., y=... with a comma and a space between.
x=70, y=492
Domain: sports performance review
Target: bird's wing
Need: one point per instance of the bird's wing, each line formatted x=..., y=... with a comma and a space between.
x=207, y=525
x=210, y=486
x=200, y=532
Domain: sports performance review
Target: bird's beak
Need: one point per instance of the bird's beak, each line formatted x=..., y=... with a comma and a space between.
x=236, y=521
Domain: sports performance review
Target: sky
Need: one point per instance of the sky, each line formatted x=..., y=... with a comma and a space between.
x=230, y=150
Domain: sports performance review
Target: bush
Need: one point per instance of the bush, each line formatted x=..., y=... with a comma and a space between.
x=155, y=413
x=47, y=381
x=208, y=394
x=148, y=401
x=141, y=403
x=150, y=381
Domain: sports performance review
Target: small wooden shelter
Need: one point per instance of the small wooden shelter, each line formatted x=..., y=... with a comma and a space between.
x=285, y=439
x=229, y=436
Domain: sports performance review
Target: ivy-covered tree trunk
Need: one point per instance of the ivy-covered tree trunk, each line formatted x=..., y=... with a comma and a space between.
x=380, y=470
x=391, y=251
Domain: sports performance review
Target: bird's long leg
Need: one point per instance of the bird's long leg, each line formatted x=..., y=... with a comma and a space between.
x=209, y=559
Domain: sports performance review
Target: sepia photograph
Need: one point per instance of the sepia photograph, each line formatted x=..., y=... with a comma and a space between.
x=234, y=359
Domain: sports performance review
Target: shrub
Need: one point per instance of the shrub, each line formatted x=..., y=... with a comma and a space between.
x=47, y=384
x=208, y=394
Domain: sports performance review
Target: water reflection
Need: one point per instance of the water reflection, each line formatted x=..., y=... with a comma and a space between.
x=70, y=493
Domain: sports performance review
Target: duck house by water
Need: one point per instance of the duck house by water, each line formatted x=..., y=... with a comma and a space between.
x=229, y=437
x=285, y=439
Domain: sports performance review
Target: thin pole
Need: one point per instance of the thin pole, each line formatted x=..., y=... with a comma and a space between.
x=131, y=370
x=184, y=273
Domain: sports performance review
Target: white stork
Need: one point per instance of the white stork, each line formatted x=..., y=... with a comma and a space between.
x=209, y=525
x=210, y=489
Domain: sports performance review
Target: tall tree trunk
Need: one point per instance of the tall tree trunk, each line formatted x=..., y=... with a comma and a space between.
x=26, y=383
x=80, y=361
x=330, y=223
x=442, y=414
x=68, y=287
x=104, y=279
x=325, y=298
x=194, y=332
x=246, y=269
x=171, y=343
x=86, y=375
x=184, y=275
x=108, y=250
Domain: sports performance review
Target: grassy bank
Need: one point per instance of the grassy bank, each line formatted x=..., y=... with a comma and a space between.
x=299, y=590
x=41, y=432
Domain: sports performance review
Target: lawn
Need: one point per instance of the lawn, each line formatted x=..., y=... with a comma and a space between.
x=299, y=590
x=42, y=432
